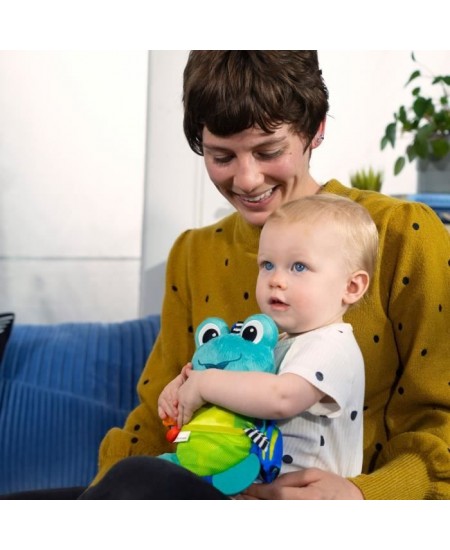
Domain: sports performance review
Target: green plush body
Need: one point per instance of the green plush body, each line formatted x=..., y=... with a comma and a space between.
x=214, y=444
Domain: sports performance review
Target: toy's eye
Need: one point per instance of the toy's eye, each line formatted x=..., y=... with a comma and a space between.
x=208, y=332
x=253, y=331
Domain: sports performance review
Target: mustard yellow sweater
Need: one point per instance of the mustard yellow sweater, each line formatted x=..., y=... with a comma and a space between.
x=403, y=328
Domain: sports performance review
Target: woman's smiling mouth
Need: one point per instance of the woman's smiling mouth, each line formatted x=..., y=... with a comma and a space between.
x=257, y=199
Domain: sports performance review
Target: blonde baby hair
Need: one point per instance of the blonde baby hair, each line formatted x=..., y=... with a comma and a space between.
x=350, y=219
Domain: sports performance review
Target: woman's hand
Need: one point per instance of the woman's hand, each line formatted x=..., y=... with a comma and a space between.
x=168, y=398
x=309, y=484
x=189, y=396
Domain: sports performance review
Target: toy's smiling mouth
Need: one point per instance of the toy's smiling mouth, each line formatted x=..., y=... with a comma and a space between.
x=221, y=365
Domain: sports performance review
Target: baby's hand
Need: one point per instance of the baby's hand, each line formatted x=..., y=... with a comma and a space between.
x=189, y=397
x=168, y=399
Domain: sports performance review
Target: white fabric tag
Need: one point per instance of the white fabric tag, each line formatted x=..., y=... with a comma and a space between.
x=182, y=437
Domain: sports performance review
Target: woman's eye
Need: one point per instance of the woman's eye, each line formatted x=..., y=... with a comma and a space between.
x=267, y=155
x=299, y=267
x=222, y=160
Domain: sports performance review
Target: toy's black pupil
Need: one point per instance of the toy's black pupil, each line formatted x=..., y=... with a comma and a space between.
x=249, y=333
x=210, y=334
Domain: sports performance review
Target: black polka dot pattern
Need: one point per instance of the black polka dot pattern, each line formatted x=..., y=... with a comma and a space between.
x=353, y=415
x=405, y=280
x=174, y=288
x=401, y=390
x=319, y=376
x=137, y=427
x=415, y=226
x=287, y=459
x=246, y=295
x=322, y=441
x=146, y=382
x=134, y=440
x=376, y=338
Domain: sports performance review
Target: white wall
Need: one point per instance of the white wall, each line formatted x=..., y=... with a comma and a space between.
x=72, y=146
x=366, y=87
x=81, y=131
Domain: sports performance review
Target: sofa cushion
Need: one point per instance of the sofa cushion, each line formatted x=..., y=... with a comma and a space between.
x=6, y=323
x=62, y=387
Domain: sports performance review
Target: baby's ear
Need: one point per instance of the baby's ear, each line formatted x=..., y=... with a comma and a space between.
x=357, y=285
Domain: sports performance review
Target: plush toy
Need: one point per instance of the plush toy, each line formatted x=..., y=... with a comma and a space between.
x=228, y=450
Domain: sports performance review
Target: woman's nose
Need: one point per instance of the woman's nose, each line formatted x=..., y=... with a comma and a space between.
x=248, y=176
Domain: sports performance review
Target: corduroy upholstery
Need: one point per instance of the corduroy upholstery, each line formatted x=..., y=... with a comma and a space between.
x=61, y=388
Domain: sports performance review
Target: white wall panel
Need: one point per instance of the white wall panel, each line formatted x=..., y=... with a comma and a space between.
x=72, y=146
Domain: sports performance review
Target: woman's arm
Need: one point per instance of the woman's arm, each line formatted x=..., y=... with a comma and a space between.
x=255, y=394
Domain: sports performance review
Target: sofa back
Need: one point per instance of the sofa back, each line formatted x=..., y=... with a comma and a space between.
x=62, y=387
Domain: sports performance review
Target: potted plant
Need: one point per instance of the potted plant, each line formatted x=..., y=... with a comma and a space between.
x=427, y=121
x=367, y=179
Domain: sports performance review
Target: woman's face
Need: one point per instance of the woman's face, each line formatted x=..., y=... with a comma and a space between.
x=258, y=172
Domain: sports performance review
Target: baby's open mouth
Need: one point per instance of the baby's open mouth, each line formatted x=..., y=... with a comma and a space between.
x=276, y=301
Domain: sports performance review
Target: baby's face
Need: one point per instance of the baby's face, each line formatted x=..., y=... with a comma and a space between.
x=303, y=278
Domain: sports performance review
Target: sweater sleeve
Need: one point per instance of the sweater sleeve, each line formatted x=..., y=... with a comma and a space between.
x=415, y=463
x=143, y=432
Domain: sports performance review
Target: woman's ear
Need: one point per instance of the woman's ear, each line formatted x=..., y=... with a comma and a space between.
x=320, y=135
x=357, y=285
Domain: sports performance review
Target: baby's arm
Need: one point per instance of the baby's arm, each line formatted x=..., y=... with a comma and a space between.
x=255, y=394
x=168, y=398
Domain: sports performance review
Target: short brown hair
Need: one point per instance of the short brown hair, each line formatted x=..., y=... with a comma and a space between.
x=229, y=91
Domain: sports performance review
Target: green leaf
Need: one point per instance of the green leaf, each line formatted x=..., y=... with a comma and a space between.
x=391, y=132
x=424, y=133
x=399, y=165
x=416, y=91
x=420, y=106
x=402, y=116
x=384, y=141
x=420, y=146
x=414, y=75
x=444, y=79
x=440, y=148
x=410, y=152
x=367, y=179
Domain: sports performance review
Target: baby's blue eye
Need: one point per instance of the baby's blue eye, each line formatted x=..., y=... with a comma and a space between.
x=299, y=267
x=268, y=266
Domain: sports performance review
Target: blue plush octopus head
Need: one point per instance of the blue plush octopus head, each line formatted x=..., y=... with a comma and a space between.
x=248, y=346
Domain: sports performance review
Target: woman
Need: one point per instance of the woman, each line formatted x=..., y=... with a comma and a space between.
x=256, y=117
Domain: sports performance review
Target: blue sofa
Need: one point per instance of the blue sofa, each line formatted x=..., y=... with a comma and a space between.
x=61, y=388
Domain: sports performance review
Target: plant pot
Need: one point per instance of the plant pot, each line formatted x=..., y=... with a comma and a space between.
x=433, y=175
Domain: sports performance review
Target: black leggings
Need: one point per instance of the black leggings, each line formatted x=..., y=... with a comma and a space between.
x=150, y=478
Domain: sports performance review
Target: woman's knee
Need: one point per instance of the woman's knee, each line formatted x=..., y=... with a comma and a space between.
x=151, y=478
